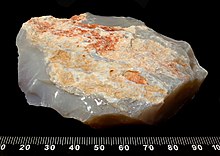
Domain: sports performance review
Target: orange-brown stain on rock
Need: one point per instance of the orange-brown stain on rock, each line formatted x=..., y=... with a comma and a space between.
x=61, y=57
x=78, y=17
x=41, y=26
x=135, y=76
x=66, y=78
x=85, y=63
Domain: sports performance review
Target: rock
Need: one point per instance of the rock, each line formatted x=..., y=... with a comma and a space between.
x=105, y=70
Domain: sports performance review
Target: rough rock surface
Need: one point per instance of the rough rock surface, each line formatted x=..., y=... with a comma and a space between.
x=105, y=70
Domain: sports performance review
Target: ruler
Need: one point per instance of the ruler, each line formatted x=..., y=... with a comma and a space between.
x=109, y=144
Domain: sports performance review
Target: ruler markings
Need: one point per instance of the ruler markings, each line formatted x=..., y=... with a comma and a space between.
x=132, y=140
x=95, y=141
x=122, y=140
x=107, y=141
x=190, y=140
x=56, y=140
x=211, y=140
x=28, y=140
x=172, y=142
x=47, y=140
x=50, y=141
x=86, y=142
x=177, y=140
x=24, y=140
x=82, y=138
x=195, y=140
x=77, y=140
x=33, y=140
x=12, y=141
x=205, y=140
x=71, y=140
x=150, y=140
x=182, y=140
x=198, y=140
x=37, y=141
x=129, y=140
x=139, y=141
x=185, y=140
x=5, y=139
x=60, y=140
x=9, y=139
x=156, y=140
x=74, y=141
x=126, y=141
x=18, y=140
x=167, y=139
x=142, y=140
x=64, y=139
x=135, y=141
x=68, y=140
x=215, y=140
x=159, y=139
x=162, y=140
x=110, y=140
x=43, y=141
x=1, y=140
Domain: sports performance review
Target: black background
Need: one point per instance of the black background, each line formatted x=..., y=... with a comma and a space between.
x=181, y=20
